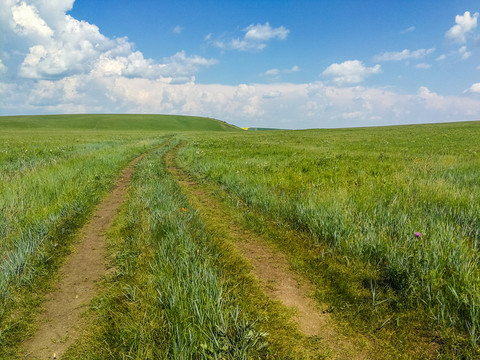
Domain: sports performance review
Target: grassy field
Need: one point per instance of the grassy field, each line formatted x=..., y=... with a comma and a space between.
x=53, y=171
x=117, y=122
x=49, y=184
x=402, y=200
x=167, y=299
x=390, y=216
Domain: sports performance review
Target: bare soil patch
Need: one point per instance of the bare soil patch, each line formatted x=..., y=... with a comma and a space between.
x=60, y=323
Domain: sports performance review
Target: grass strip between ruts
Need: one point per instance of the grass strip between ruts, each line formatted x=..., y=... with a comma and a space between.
x=166, y=297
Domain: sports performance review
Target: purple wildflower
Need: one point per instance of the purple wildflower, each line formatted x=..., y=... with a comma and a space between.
x=418, y=235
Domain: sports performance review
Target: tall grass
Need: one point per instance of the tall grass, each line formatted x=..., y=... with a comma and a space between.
x=168, y=282
x=365, y=192
x=49, y=184
x=202, y=316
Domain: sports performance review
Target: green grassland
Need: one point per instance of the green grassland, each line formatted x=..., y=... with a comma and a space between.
x=179, y=308
x=49, y=185
x=53, y=171
x=357, y=195
x=365, y=193
x=117, y=122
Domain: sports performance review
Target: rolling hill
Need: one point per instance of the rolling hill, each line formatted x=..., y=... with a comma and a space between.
x=125, y=122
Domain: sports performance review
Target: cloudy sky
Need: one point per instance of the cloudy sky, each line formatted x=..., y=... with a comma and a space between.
x=270, y=63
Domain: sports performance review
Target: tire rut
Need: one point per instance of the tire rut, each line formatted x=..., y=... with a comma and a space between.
x=60, y=323
x=272, y=268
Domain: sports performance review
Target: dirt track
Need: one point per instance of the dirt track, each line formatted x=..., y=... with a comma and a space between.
x=272, y=268
x=60, y=324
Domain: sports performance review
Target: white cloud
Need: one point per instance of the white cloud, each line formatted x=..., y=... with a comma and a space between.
x=277, y=72
x=255, y=38
x=27, y=21
x=423, y=66
x=57, y=45
x=272, y=72
x=403, y=55
x=475, y=88
x=282, y=105
x=272, y=94
x=180, y=65
x=177, y=29
x=3, y=68
x=441, y=57
x=240, y=45
x=464, y=53
x=293, y=69
x=453, y=107
x=408, y=30
x=350, y=72
x=265, y=32
x=465, y=24
x=353, y=115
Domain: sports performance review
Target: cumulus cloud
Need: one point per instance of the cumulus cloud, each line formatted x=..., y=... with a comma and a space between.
x=181, y=66
x=56, y=46
x=272, y=94
x=265, y=32
x=350, y=72
x=283, y=105
x=27, y=21
x=464, y=53
x=240, y=45
x=475, y=88
x=454, y=107
x=404, y=55
x=255, y=39
x=465, y=24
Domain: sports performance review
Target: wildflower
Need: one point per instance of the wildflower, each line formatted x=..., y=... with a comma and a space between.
x=418, y=235
x=184, y=209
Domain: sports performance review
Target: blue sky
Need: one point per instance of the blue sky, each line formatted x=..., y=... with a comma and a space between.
x=290, y=64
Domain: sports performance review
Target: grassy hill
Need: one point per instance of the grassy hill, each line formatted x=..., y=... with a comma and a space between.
x=123, y=122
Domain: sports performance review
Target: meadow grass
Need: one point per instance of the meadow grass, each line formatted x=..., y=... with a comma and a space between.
x=50, y=182
x=359, y=195
x=167, y=298
x=53, y=170
x=364, y=193
x=115, y=123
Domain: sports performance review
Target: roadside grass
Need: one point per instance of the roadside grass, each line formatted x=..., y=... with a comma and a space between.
x=284, y=339
x=50, y=183
x=365, y=309
x=364, y=193
x=166, y=297
x=365, y=320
